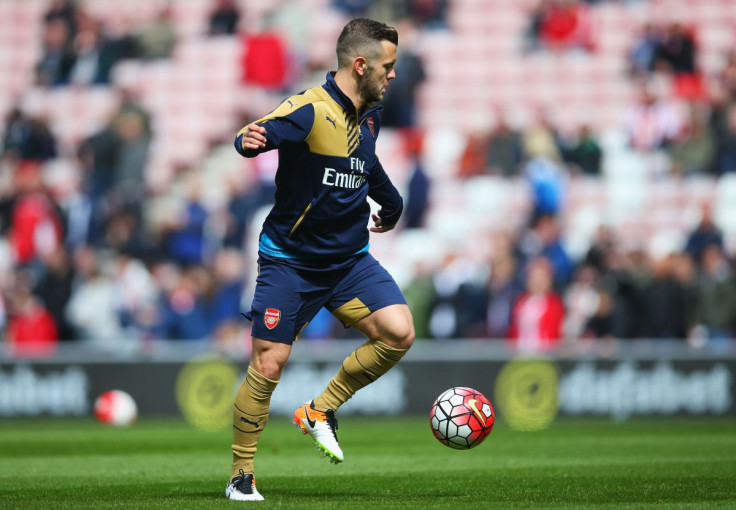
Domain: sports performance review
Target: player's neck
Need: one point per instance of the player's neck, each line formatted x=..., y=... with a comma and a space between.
x=349, y=87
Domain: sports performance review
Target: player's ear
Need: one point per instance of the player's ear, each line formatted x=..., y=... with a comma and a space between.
x=360, y=65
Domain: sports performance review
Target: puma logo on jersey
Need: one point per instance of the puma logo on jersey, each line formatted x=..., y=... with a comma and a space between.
x=290, y=103
x=332, y=120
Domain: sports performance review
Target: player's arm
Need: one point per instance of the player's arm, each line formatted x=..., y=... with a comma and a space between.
x=274, y=129
x=387, y=196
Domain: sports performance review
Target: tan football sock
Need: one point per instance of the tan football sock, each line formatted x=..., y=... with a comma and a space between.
x=250, y=414
x=363, y=366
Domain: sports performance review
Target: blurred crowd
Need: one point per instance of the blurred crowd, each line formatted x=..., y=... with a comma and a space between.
x=682, y=122
x=532, y=292
x=94, y=266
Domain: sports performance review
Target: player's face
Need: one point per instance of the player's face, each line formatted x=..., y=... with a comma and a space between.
x=379, y=72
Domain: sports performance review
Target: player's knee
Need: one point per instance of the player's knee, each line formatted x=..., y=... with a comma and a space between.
x=269, y=368
x=407, y=339
x=401, y=335
x=269, y=358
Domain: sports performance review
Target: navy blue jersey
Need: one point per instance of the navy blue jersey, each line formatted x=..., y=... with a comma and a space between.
x=327, y=169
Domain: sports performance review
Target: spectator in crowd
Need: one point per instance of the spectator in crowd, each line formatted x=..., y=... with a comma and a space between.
x=454, y=283
x=420, y=295
x=538, y=314
x=35, y=224
x=130, y=103
x=499, y=153
x=131, y=130
x=185, y=314
x=693, y=152
x=32, y=331
x=641, y=56
x=639, y=271
x=418, y=191
x=543, y=239
x=600, y=327
x=97, y=156
x=8, y=197
x=504, y=152
x=651, y=122
x=618, y=283
x=229, y=278
x=548, y=182
x=705, y=233
x=54, y=289
x=726, y=78
x=684, y=272
x=93, y=308
x=582, y=301
x=540, y=139
x=560, y=25
x=93, y=58
x=583, y=154
x=472, y=160
x=155, y=40
x=136, y=293
x=57, y=55
x=675, y=50
x=224, y=18
x=241, y=206
x=470, y=308
x=532, y=39
x=726, y=144
x=113, y=166
x=64, y=11
x=429, y=14
x=122, y=35
x=399, y=102
x=715, y=302
x=603, y=243
x=666, y=302
x=124, y=234
x=186, y=238
x=265, y=60
x=28, y=138
x=503, y=288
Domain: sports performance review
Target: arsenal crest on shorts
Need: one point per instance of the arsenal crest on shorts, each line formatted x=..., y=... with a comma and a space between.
x=272, y=317
x=371, y=126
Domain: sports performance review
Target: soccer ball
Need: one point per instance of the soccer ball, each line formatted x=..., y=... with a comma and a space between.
x=461, y=418
x=117, y=408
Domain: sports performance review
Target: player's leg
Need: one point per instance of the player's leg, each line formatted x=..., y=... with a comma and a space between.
x=369, y=300
x=390, y=333
x=278, y=314
x=250, y=414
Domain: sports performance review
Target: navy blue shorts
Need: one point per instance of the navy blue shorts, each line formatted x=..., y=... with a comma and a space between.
x=289, y=293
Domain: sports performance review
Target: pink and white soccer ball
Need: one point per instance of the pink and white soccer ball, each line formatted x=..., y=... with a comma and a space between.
x=116, y=407
x=461, y=418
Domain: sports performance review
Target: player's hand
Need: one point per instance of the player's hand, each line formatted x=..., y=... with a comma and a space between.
x=254, y=138
x=379, y=226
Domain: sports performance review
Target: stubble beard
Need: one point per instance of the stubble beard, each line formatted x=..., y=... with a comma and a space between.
x=369, y=89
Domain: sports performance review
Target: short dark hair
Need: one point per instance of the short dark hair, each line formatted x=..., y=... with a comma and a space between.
x=363, y=36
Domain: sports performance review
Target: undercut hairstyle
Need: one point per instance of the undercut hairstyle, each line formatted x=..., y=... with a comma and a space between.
x=362, y=37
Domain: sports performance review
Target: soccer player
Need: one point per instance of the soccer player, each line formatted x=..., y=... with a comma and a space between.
x=313, y=248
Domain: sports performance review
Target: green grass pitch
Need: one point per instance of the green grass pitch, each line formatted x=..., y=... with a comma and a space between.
x=390, y=463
